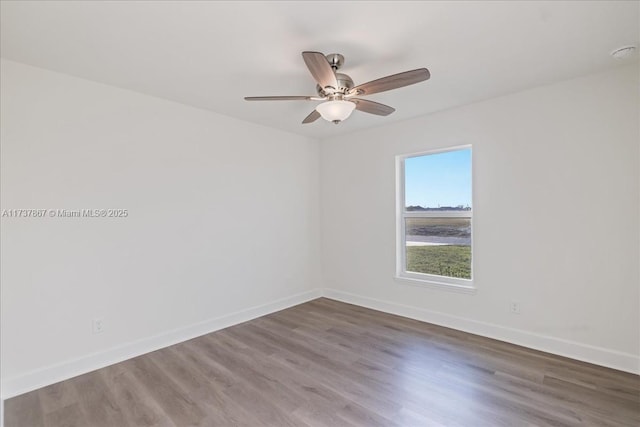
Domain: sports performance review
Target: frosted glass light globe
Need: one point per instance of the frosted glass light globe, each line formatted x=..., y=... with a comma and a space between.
x=336, y=111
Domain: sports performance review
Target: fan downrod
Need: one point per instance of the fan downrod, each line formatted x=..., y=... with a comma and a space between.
x=335, y=60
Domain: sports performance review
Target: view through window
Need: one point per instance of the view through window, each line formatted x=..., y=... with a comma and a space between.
x=436, y=216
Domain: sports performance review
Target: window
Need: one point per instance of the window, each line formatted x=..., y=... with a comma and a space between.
x=434, y=217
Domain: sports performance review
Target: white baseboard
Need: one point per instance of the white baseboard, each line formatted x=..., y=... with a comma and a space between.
x=574, y=350
x=52, y=374
x=49, y=375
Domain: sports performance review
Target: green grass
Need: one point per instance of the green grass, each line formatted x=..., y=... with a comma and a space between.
x=443, y=227
x=449, y=260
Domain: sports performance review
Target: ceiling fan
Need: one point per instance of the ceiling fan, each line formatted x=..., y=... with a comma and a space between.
x=338, y=91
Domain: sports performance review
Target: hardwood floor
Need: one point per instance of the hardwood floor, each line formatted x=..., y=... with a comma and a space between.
x=325, y=363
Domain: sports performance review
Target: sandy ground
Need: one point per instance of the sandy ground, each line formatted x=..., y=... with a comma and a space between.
x=413, y=240
x=425, y=244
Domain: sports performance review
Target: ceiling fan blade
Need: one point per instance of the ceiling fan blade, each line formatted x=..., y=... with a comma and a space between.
x=372, y=107
x=311, y=117
x=277, y=98
x=320, y=69
x=394, y=81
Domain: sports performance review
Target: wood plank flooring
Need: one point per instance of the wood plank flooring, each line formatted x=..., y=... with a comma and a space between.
x=326, y=363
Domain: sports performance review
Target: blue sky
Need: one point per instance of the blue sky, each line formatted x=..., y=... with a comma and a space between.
x=442, y=179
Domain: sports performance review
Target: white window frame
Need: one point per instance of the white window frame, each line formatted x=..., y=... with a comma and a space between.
x=423, y=279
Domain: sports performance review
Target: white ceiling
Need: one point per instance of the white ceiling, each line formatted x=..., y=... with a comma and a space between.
x=212, y=54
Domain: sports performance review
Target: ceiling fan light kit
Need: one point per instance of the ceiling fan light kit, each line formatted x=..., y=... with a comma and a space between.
x=336, y=111
x=338, y=90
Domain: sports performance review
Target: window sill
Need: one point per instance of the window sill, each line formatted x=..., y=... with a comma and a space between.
x=435, y=284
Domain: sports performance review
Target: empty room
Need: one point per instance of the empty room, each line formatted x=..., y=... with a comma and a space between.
x=319, y=213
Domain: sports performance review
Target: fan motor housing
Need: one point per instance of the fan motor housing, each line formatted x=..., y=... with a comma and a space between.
x=345, y=83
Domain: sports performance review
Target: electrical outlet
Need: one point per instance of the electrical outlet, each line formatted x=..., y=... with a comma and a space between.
x=514, y=307
x=98, y=326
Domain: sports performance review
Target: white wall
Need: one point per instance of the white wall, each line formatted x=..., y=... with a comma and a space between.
x=556, y=217
x=223, y=217
x=224, y=220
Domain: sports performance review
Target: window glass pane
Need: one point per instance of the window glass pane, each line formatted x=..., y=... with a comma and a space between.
x=440, y=246
x=438, y=182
